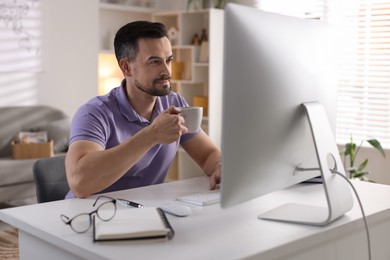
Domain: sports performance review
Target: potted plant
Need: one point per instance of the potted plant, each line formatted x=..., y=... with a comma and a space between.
x=351, y=151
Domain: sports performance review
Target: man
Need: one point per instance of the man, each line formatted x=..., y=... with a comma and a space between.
x=129, y=137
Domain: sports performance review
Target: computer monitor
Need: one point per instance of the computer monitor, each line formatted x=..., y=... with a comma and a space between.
x=279, y=111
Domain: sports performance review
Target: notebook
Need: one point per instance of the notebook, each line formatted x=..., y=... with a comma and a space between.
x=134, y=223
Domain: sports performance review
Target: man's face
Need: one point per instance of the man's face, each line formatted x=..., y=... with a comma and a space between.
x=151, y=70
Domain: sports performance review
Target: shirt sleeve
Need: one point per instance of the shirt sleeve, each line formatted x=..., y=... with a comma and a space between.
x=90, y=123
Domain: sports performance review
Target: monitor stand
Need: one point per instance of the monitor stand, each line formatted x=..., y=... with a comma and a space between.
x=337, y=190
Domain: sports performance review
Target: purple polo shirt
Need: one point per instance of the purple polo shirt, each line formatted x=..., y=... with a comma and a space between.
x=110, y=120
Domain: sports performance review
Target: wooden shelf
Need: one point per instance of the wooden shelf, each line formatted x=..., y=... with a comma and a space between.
x=126, y=8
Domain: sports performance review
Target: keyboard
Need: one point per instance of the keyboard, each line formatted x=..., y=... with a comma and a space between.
x=202, y=198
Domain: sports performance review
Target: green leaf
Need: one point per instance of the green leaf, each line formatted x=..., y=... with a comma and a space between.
x=362, y=165
x=377, y=145
x=360, y=174
x=352, y=170
x=350, y=148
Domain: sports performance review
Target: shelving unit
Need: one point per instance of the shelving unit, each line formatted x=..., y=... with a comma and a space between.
x=198, y=79
x=114, y=16
x=111, y=18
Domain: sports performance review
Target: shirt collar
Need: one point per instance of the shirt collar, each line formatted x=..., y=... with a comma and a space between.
x=127, y=110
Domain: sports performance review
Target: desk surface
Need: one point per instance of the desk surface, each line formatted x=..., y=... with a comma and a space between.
x=212, y=232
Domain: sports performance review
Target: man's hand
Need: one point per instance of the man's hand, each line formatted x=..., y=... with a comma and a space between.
x=168, y=126
x=215, y=178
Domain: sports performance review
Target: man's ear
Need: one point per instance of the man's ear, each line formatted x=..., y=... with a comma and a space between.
x=124, y=65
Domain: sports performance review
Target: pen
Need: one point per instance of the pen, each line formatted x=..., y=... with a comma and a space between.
x=135, y=204
x=132, y=203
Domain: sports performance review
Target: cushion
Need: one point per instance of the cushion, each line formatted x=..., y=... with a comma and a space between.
x=58, y=131
x=26, y=118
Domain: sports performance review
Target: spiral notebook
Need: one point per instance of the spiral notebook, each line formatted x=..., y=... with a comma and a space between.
x=137, y=223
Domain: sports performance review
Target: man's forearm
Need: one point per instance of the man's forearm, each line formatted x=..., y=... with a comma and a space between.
x=96, y=170
x=212, y=162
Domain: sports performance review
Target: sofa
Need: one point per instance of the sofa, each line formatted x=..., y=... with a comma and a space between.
x=16, y=177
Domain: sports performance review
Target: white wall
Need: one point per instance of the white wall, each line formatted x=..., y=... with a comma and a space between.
x=71, y=33
x=69, y=49
x=378, y=166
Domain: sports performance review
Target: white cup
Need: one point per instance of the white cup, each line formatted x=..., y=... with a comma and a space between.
x=192, y=117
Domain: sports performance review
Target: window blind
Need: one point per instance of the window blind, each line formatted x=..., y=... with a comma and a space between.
x=364, y=70
x=364, y=78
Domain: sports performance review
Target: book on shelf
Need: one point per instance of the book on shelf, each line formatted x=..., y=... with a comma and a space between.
x=132, y=224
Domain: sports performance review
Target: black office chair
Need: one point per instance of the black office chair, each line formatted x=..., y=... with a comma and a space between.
x=50, y=179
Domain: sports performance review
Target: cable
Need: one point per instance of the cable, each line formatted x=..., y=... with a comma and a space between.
x=361, y=208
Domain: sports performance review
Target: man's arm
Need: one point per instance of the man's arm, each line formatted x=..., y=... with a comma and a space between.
x=207, y=155
x=90, y=168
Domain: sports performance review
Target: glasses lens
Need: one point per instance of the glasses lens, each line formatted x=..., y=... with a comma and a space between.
x=81, y=223
x=106, y=211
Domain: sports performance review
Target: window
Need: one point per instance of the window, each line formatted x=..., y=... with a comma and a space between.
x=364, y=72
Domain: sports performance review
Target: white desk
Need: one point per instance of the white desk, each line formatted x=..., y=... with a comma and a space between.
x=211, y=232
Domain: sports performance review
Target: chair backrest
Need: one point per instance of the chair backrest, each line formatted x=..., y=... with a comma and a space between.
x=50, y=179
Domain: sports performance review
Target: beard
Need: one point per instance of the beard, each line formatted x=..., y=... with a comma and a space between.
x=154, y=90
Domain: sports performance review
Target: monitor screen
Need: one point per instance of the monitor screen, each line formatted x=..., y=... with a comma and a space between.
x=273, y=64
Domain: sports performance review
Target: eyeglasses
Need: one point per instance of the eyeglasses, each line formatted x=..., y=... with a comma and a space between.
x=81, y=223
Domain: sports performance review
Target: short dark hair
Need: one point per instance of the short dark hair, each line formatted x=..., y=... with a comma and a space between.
x=126, y=39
